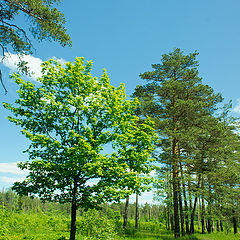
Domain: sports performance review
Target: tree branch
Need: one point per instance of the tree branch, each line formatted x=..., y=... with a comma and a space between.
x=20, y=29
x=18, y=5
x=2, y=82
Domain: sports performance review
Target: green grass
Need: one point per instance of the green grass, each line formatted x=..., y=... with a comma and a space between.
x=140, y=235
x=167, y=235
x=41, y=226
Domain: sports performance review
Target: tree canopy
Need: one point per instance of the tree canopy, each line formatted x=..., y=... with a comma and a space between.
x=44, y=22
x=70, y=118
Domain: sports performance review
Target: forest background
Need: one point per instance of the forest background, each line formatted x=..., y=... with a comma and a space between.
x=213, y=42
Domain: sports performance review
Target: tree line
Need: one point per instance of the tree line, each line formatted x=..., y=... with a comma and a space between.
x=14, y=203
x=199, y=147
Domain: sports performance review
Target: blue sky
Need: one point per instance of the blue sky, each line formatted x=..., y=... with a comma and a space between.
x=126, y=37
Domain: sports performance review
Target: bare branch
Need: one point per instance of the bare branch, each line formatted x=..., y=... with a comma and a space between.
x=3, y=52
x=2, y=82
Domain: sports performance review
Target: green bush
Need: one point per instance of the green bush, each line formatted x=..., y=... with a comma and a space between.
x=152, y=226
x=96, y=227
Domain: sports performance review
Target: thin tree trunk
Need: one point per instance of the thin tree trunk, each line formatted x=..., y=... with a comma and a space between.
x=181, y=210
x=192, y=216
x=198, y=210
x=168, y=192
x=193, y=210
x=73, y=220
x=203, y=206
x=74, y=212
x=221, y=225
x=168, y=218
x=169, y=197
x=189, y=192
x=209, y=229
x=234, y=222
x=202, y=217
x=175, y=188
x=217, y=225
x=185, y=201
x=136, y=214
x=125, y=216
x=209, y=226
x=187, y=219
x=171, y=221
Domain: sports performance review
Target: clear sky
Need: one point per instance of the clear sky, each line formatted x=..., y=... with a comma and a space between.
x=126, y=37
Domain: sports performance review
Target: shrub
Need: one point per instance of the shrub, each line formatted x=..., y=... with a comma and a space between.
x=96, y=227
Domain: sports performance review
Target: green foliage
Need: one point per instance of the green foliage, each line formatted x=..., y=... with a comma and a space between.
x=40, y=226
x=96, y=227
x=45, y=22
x=199, y=149
x=69, y=119
x=23, y=225
x=174, y=96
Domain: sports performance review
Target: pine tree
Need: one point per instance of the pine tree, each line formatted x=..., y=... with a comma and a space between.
x=176, y=100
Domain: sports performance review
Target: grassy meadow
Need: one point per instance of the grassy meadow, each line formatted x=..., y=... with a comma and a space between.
x=90, y=226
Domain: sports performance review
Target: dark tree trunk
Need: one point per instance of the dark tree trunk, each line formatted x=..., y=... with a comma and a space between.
x=125, y=216
x=136, y=214
x=209, y=225
x=221, y=225
x=202, y=218
x=73, y=220
x=171, y=221
x=217, y=225
x=234, y=222
x=192, y=216
x=74, y=212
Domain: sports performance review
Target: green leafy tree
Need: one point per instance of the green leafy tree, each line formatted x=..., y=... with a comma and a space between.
x=134, y=147
x=44, y=20
x=69, y=118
